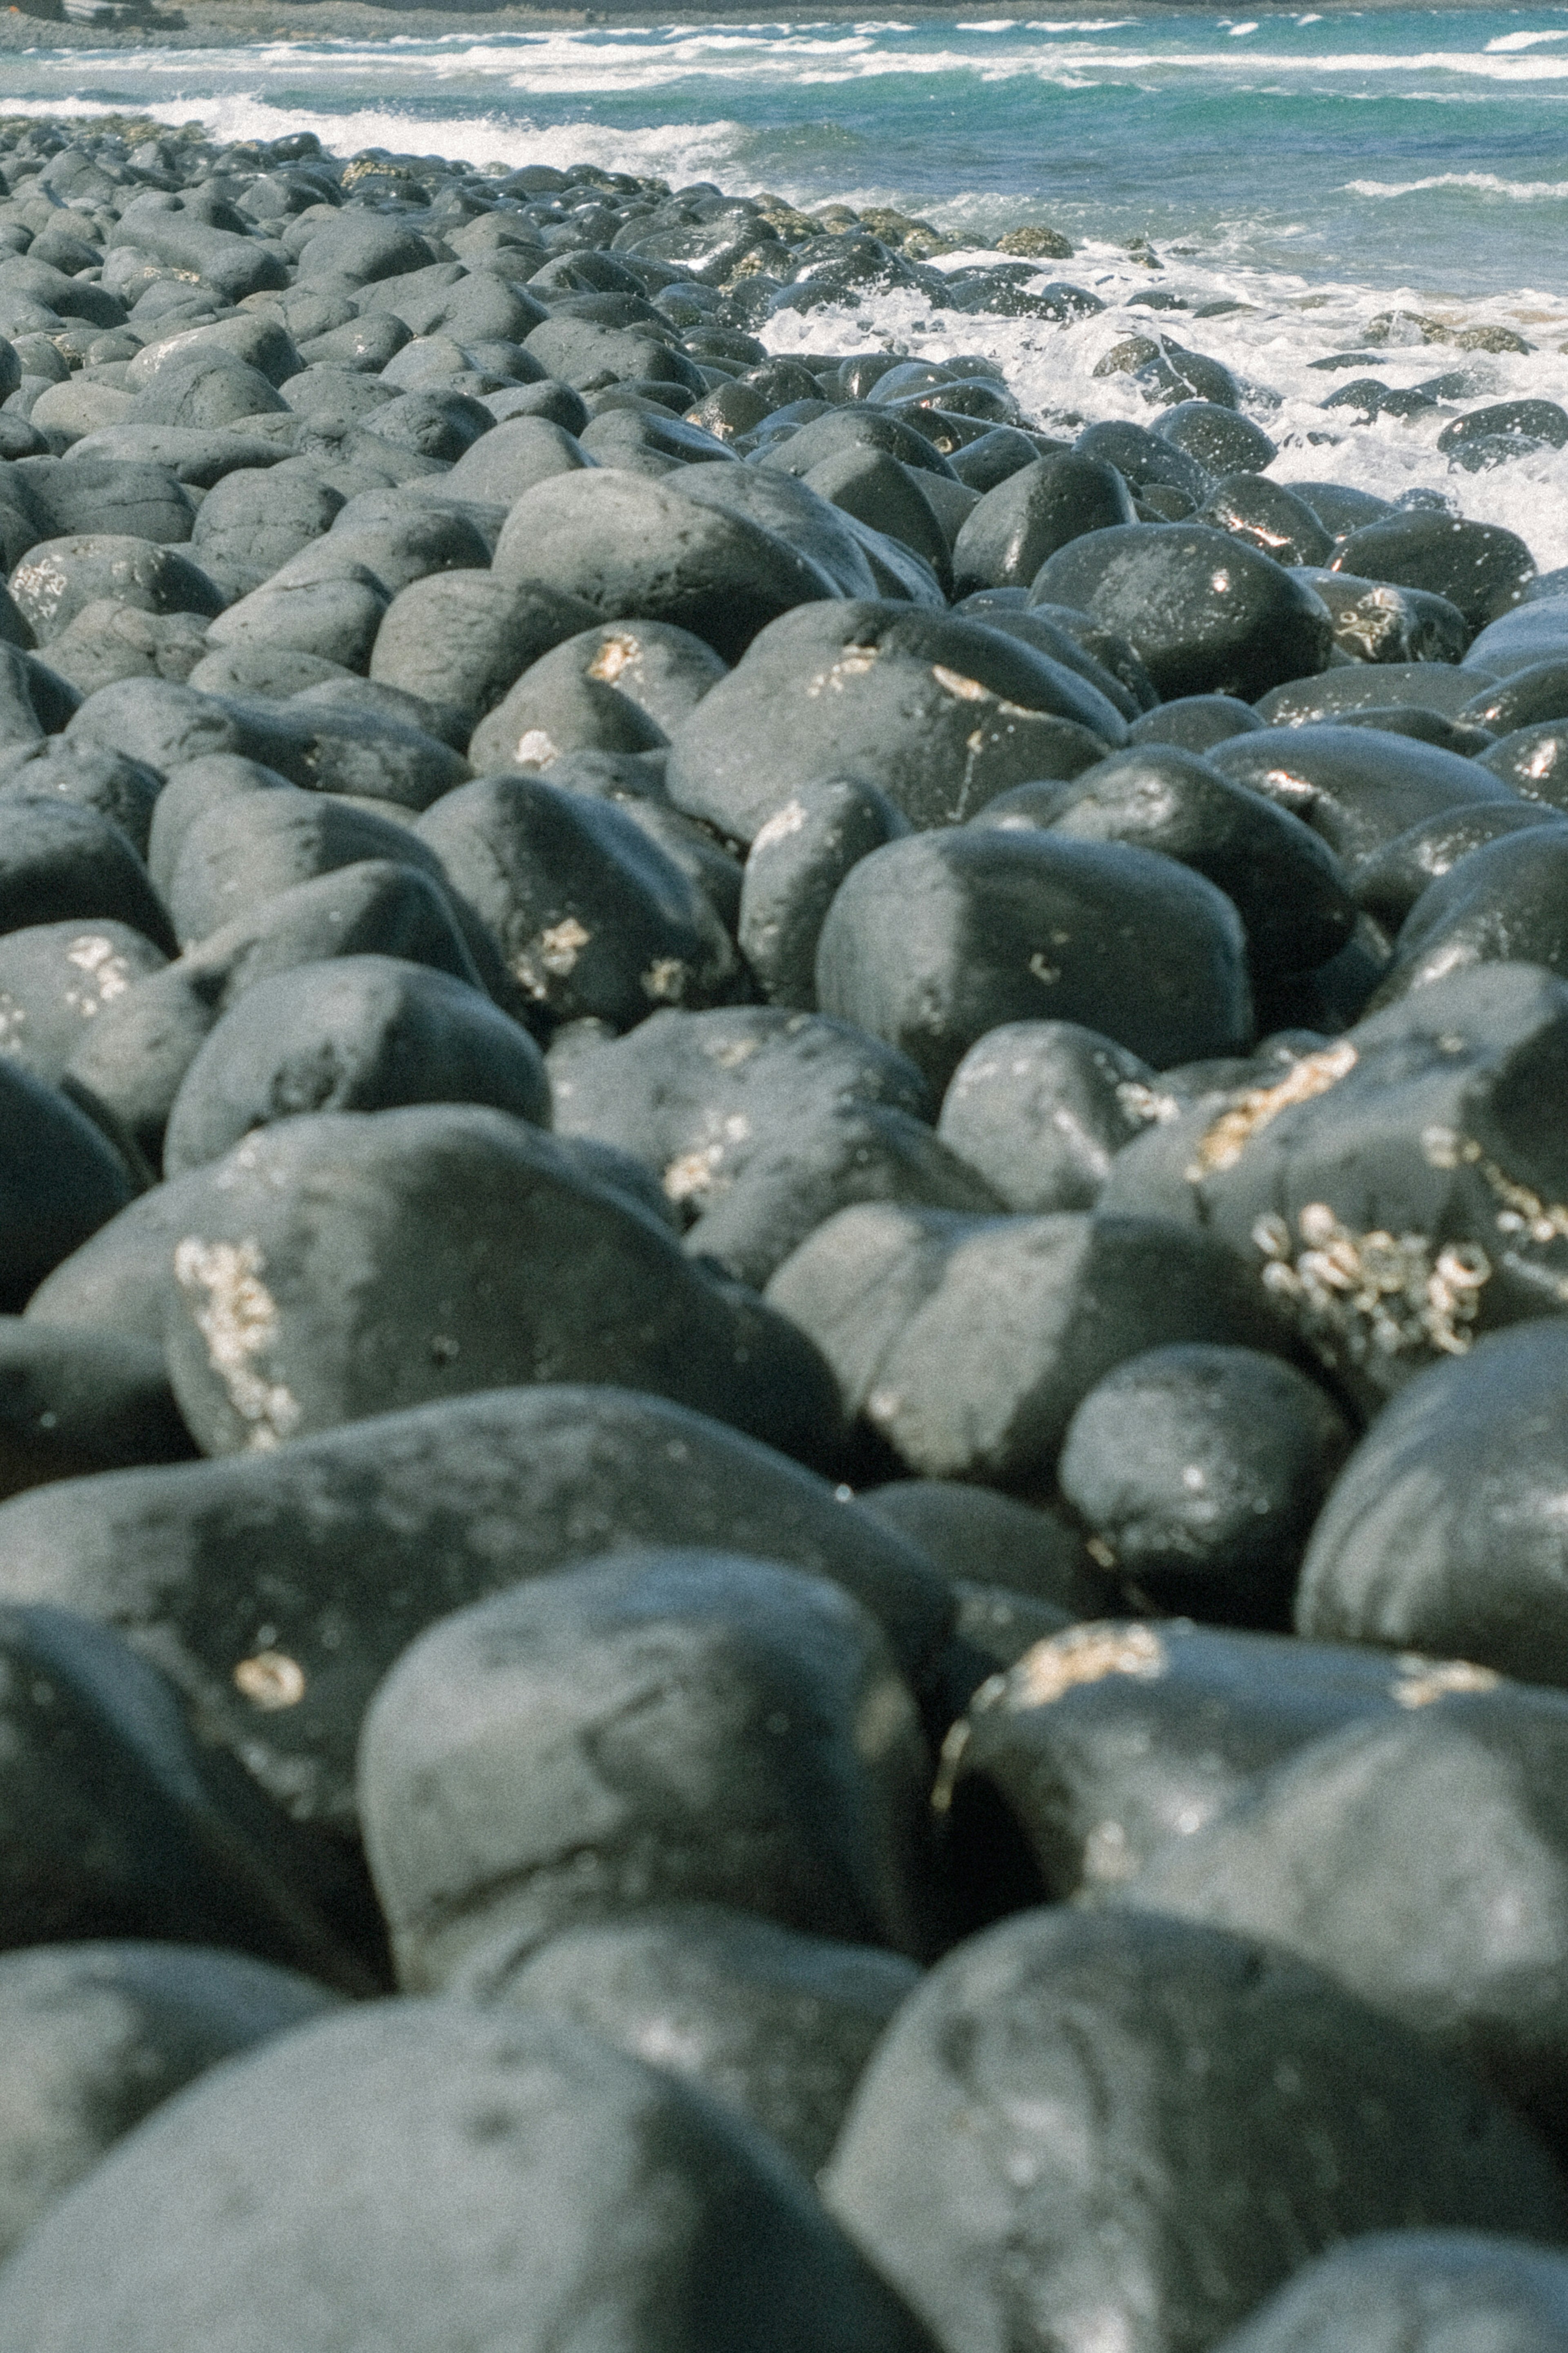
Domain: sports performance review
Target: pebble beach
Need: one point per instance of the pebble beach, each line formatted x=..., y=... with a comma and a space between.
x=784, y=1017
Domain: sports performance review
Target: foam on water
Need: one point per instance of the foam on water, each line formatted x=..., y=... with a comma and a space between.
x=1318, y=170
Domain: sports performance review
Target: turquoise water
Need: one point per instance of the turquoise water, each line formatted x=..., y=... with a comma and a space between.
x=1315, y=169
x=1413, y=147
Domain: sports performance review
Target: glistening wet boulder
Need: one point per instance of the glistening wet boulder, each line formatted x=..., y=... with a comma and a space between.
x=1505, y=902
x=74, y=1401
x=794, y=867
x=98, y=2035
x=938, y=712
x=775, y=2024
x=1027, y=518
x=1478, y=566
x=1083, y=2122
x=1205, y=613
x=347, y=1263
x=60, y=1180
x=1357, y=786
x=61, y=862
x=967, y=1342
x=1041, y=1108
x=1416, y=2291
x=659, y=1726
x=1331, y=1855
x=1107, y=1742
x=933, y=941
x=57, y=978
x=263, y=2198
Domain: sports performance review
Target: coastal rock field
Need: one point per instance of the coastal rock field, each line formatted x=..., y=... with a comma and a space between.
x=784, y=1296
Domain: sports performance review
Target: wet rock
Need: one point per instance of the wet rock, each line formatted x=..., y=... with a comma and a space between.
x=931, y=942
x=1220, y=440
x=997, y=2235
x=1031, y=514
x=1269, y=516
x=359, y=1033
x=1200, y=1470
x=593, y=919
x=73, y=1402
x=61, y=862
x=733, y=1776
x=1344, y=1818
x=465, y=637
x=1416, y=2289
x=1432, y=686
x=1389, y=882
x=99, y=2035
x=1113, y=1741
x=980, y=1539
x=1284, y=883
x=1502, y=903
x=260, y=2156
x=251, y=846
x=373, y=1261
x=632, y=549
x=1195, y=722
x=1041, y=1108
x=1478, y=566
x=1205, y=613
x=938, y=712
x=795, y=866
x=775, y=2024
x=55, y=978
x=967, y=1342
x=1358, y=787
x=1524, y=698
x=58, y=576
x=1376, y=622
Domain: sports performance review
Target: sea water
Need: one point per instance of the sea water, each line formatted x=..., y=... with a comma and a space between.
x=1318, y=170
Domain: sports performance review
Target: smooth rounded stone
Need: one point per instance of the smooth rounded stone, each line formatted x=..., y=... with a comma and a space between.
x=1359, y=787
x=359, y=749
x=99, y=2035
x=397, y=539
x=1070, y=2067
x=1390, y=1190
x=1342, y=509
x=889, y=498
x=380, y=1259
x=172, y=231
x=1195, y=723
x=207, y=388
x=386, y=714
x=123, y=791
x=635, y=782
x=1200, y=1471
x=219, y=2224
x=775, y=2024
x=966, y=1344
x=121, y=1820
x=1041, y=1108
x=363, y=343
x=253, y=522
x=1506, y=902
x=357, y=1033
x=139, y=501
x=433, y=424
x=663, y=1726
x=931, y=942
x=592, y=357
x=361, y=1539
x=107, y=641
x=1459, y=735
x=189, y=792
x=62, y=861
x=1331, y=1855
x=511, y=458
x=1440, y=1534
x=1284, y=881
x=166, y=725
x=1205, y=613
x=337, y=616
x=937, y=712
x=142, y=1046
x=859, y=562
x=1006, y=609
x=1032, y=513
x=548, y=398
x=257, y=340
x=58, y=576
x=1362, y=686
x=55, y=978
x=266, y=673
x=1220, y=440
x=592, y=917
x=1416, y=2292
x=1004, y=449
x=1267, y=515
x=698, y=1096
x=1478, y=566
x=1376, y=622
x=199, y=455
x=853, y=428
x=1487, y=437
x=1534, y=762
x=749, y=1224
x=333, y=401
x=631, y=549
x=564, y=703
x=1524, y=698
x=1104, y=1743
x=362, y=248
x=1532, y=632
x=794, y=867
x=247, y=848
x=1388, y=884
x=463, y=638
x=73, y=1402
x=983, y=1540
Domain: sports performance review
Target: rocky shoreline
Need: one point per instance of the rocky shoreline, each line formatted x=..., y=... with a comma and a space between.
x=781, y=1301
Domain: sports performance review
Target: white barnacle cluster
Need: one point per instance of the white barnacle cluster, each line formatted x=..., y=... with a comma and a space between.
x=1377, y=1294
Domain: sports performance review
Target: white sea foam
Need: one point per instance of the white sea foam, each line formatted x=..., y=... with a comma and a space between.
x=1519, y=192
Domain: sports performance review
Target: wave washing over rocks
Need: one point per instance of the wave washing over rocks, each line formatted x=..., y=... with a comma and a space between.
x=783, y=1373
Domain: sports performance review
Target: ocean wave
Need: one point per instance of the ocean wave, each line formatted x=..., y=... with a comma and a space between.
x=1519, y=192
